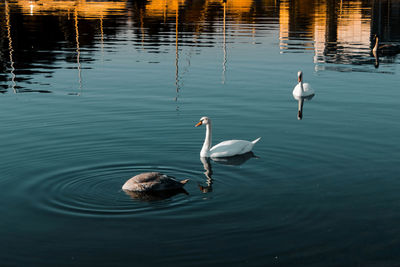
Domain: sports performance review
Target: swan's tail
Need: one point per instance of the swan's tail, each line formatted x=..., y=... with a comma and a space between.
x=255, y=141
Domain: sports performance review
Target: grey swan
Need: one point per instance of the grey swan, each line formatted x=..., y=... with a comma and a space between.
x=153, y=182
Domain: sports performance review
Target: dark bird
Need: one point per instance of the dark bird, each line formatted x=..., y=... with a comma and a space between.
x=385, y=49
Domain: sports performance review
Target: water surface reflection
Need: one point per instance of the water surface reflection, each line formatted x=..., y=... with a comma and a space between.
x=232, y=161
x=134, y=64
x=41, y=37
x=208, y=173
x=338, y=32
x=300, y=101
x=155, y=196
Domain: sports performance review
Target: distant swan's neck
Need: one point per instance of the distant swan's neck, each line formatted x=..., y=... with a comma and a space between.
x=207, y=141
x=300, y=80
x=376, y=44
x=301, y=85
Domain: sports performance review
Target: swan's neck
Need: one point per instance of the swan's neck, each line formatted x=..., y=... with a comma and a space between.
x=301, y=85
x=376, y=44
x=300, y=80
x=207, y=142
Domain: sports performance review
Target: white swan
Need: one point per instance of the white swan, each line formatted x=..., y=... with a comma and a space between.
x=226, y=148
x=302, y=89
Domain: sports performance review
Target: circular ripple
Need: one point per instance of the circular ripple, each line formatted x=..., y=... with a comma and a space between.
x=96, y=191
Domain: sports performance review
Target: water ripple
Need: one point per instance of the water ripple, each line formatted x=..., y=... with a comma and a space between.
x=96, y=191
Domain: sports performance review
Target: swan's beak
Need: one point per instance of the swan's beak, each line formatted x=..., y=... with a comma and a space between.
x=198, y=124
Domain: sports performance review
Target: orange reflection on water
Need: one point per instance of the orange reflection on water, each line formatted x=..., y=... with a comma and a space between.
x=169, y=7
x=320, y=24
x=163, y=8
x=354, y=25
x=335, y=30
x=87, y=9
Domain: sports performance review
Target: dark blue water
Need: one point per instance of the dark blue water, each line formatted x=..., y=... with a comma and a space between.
x=94, y=93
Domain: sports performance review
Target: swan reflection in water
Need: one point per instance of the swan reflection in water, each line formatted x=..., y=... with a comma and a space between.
x=208, y=173
x=301, y=103
x=233, y=161
x=376, y=56
x=155, y=195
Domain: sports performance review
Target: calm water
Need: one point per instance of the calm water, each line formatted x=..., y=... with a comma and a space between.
x=96, y=92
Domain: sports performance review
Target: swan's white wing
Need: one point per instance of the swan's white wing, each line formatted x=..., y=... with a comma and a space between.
x=230, y=148
x=307, y=89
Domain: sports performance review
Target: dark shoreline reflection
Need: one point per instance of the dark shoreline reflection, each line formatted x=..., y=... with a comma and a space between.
x=39, y=36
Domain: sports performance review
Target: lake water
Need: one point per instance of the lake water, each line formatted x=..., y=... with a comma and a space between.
x=94, y=93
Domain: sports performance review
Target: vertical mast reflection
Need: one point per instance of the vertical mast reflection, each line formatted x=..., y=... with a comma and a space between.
x=102, y=36
x=10, y=47
x=142, y=27
x=177, y=54
x=224, y=45
x=78, y=52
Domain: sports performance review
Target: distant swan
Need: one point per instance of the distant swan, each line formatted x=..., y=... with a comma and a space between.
x=302, y=89
x=152, y=181
x=386, y=49
x=226, y=148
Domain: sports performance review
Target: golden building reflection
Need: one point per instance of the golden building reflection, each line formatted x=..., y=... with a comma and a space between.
x=335, y=31
x=351, y=20
x=168, y=7
x=87, y=9
x=163, y=8
x=349, y=27
x=338, y=32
